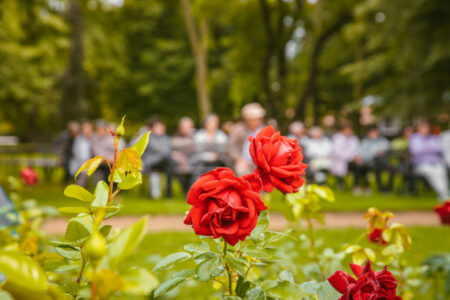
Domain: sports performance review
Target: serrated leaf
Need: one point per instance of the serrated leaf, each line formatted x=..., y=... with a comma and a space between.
x=311, y=287
x=129, y=161
x=73, y=210
x=78, y=192
x=184, y=273
x=197, y=248
x=65, y=268
x=327, y=292
x=256, y=293
x=130, y=181
x=90, y=165
x=287, y=291
x=171, y=260
x=141, y=145
x=101, y=194
x=286, y=275
x=257, y=252
x=206, y=269
x=238, y=264
x=168, y=285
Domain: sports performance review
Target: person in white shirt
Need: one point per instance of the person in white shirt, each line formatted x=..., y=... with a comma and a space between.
x=318, y=149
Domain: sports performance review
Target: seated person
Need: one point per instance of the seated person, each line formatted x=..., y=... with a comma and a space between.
x=345, y=150
x=402, y=160
x=182, y=150
x=373, y=154
x=318, y=148
x=210, y=147
x=427, y=158
x=157, y=157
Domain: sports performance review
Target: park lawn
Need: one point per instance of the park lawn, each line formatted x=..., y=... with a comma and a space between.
x=155, y=246
x=137, y=203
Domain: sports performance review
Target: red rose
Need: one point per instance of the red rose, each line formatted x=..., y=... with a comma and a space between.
x=224, y=205
x=368, y=285
x=376, y=236
x=443, y=211
x=278, y=161
x=29, y=176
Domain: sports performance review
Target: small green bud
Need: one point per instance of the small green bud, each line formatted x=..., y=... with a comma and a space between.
x=95, y=247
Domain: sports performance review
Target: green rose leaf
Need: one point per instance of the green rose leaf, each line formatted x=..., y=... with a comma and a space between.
x=168, y=285
x=238, y=264
x=129, y=181
x=125, y=243
x=139, y=281
x=197, y=248
x=256, y=293
x=207, y=269
x=327, y=292
x=90, y=165
x=287, y=291
x=171, y=261
x=101, y=194
x=73, y=210
x=78, y=228
x=78, y=192
x=141, y=145
x=69, y=254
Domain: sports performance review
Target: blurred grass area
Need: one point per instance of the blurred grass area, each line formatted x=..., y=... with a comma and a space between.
x=155, y=246
x=137, y=202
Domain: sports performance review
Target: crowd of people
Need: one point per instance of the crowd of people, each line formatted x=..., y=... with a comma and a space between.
x=417, y=154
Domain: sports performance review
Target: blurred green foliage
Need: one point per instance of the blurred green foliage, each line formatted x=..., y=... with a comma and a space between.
x=80, y=59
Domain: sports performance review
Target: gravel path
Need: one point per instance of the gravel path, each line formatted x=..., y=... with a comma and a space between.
x=159, y=223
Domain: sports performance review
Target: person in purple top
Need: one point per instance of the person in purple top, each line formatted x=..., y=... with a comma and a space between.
x=427, y=158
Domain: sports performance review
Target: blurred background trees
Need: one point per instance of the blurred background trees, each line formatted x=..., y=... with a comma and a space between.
x=83, y=59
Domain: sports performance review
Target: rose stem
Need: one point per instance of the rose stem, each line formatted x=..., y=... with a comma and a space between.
x=230, y=287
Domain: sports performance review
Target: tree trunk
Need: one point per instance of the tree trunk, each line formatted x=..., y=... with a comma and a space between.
x=197, y=41
x=310, y=85
x=267, y=63
x=73, y=102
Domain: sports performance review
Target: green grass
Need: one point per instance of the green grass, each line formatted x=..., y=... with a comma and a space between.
x=135, y=202
x=426, y=241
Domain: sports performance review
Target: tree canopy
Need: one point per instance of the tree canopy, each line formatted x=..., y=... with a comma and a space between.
x=64, y=60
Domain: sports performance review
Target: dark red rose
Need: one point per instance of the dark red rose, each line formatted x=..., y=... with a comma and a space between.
x=29, y=176
x=278, y=161
x=443, y=211
x=224, y=205
x=376, y=236
x=368, y=285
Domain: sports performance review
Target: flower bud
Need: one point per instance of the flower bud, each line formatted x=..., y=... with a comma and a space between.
x=95, y=247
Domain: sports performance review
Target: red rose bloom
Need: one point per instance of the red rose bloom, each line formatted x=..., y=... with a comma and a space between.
x=443, y=211
x=224, y=205
x=278, y=160
x=376, y=236
x=368, y=285
x=29, y=176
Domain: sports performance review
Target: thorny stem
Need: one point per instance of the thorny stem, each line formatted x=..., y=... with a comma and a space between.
x=227, y=267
